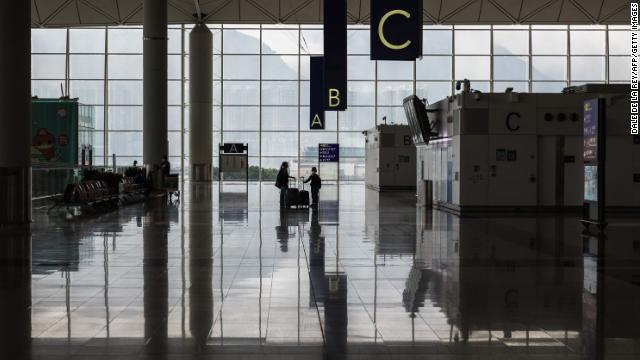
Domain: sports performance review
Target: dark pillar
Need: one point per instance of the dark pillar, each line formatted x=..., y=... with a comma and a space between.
x=15, y=294
x=15, y=113
x=201, y=103
x=155, y=138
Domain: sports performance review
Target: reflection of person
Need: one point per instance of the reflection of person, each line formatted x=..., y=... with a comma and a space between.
x=282, y=232
x=316, y=184
x=318, y=286
x=282, y=183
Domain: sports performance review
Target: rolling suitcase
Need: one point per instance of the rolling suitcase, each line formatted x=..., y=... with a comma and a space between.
x=292, y=196
x=303, y=195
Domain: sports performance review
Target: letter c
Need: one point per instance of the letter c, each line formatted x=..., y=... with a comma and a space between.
x=383, y=39
x=509, y=126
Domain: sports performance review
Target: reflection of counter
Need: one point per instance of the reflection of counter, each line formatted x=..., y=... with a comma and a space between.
x=513, y=280
x=499, y=275
x=611, y=288
x=394, y=232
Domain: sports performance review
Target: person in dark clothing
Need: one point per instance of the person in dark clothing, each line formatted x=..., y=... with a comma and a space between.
x=133, y=170
x=282, y=183
x=316, y=184
x=165, y=166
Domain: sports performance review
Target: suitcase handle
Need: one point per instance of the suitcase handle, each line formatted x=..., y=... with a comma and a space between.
x=302, y=181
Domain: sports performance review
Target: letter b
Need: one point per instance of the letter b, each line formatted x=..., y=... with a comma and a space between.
x=334, y=97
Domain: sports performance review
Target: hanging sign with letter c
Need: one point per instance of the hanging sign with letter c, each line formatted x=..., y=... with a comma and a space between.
x=396, y=29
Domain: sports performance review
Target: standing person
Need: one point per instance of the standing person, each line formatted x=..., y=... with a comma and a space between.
x=316, y=184
x=282, y=183
x=165, y=166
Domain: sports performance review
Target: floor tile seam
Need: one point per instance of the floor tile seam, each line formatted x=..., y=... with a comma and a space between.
x=306, y=258
x=273, y=271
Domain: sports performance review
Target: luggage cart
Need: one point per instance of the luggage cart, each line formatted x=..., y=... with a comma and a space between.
x=171, y=186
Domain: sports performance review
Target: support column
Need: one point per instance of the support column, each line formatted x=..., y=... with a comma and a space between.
x=201, y=103
x=155, y=137
x=15, y=113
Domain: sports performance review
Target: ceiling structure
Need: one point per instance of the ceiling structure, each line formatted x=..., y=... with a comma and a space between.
x=58, y=13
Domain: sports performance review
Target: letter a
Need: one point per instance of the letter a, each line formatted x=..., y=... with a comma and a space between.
x=316, y=122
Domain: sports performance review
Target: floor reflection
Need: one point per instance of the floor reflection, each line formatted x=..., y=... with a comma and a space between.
x=364, y=275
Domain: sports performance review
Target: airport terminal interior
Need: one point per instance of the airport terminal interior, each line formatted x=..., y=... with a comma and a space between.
x=308, y=179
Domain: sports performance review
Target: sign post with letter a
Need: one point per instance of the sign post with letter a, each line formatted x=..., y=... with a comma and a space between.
x=316, y=98
x=335, y=55
x=396, y=29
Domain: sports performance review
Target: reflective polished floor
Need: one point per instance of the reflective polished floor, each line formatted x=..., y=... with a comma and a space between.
x=224, y=274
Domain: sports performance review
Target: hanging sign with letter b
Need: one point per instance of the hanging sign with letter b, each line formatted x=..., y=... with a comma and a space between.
x=396, y=29
x=335, y=55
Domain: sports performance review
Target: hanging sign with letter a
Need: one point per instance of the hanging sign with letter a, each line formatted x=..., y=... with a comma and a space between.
x=396, y=29
x=316, y=91
x=335, y=54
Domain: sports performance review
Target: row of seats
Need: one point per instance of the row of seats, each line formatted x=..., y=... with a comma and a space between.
x=89, y=192
x=96, y=193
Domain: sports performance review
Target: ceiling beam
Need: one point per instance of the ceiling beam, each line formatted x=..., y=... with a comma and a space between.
x=55, y=12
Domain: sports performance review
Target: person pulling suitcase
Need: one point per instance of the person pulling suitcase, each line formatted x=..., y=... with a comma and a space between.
x=282, y=183
x=316, y=184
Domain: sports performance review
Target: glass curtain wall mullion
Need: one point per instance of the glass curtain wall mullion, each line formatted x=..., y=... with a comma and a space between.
x=606, y=54
x=453, y=59
x=182, y=76
x=299, y=96
x=105, y=135
x=259, y=110
x=491, y=60
x=217, y=148
x=530, y=52
x=568, y=56
x=66, y=64
x=375, y=92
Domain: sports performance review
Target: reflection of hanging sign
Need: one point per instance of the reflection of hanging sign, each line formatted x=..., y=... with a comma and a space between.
x=329, y=152
x=396, y=29
x=233, y=148
x=229, y=162
x=316, y=95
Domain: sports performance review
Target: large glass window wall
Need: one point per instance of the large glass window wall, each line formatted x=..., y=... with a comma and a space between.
x=261, y=82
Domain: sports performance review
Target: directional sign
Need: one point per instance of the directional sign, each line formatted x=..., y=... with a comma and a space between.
x=329, y=152
x=335, y=55
x=396, y=29
x=233, y=148
x=316, y=93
